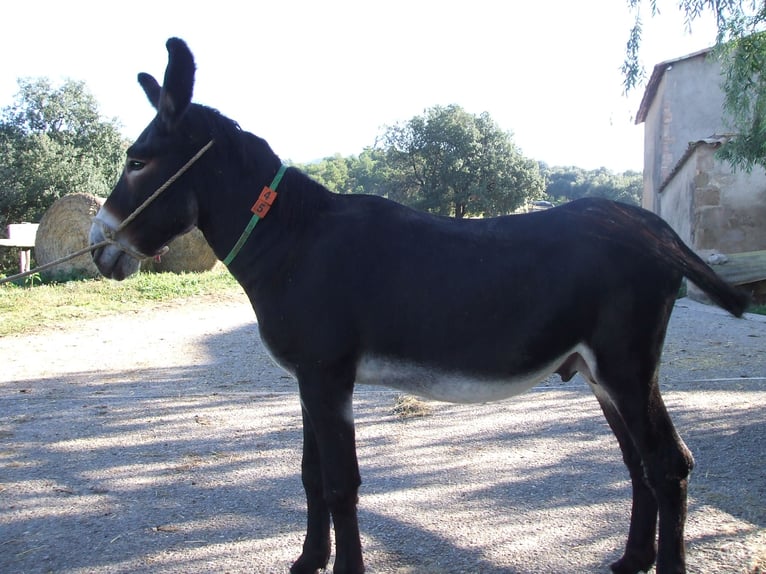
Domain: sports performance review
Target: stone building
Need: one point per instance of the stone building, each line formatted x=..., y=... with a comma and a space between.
x=712, y=207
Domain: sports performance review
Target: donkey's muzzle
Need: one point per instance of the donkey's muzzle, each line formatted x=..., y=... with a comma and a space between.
x=114, y=259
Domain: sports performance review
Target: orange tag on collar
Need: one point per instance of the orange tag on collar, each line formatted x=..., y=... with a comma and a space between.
x=265, y=200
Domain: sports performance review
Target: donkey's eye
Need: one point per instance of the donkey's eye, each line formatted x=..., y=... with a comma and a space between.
x=135, y=165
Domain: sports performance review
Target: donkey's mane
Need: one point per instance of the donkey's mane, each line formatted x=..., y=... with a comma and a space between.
x=231, y=140
x=302, y=195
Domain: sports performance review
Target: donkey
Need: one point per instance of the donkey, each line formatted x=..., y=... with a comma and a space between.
x=358, y=289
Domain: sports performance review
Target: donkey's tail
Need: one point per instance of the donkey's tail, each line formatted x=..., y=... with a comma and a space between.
x=734, y=300
x=659, y=240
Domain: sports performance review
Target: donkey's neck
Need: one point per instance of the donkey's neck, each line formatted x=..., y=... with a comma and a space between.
x=225, y=211
x=239, y=166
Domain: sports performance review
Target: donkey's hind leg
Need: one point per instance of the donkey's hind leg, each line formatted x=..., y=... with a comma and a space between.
x=641, y=548
x=645, y=431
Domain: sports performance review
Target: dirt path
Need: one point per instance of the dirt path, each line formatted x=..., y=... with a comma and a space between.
x=166, y=441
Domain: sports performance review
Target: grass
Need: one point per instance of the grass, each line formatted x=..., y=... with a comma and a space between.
x=33, y=308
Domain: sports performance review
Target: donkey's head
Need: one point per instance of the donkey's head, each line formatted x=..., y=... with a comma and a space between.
x=165, y=145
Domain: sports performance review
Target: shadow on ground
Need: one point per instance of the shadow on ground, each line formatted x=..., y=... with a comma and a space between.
x=196, y=469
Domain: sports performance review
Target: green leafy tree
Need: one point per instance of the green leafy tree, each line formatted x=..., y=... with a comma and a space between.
x=450, y=162
x=54, y=142
x=741, y=48
x=372, y=172
x=744, y=61
x=332, y=172
x=568, y=183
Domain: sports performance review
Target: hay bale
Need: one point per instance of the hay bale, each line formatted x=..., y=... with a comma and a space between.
x=64, y=229
x=188, y=253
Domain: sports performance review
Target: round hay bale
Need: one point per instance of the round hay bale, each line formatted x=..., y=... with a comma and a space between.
x=64, y=229
x=187, y=253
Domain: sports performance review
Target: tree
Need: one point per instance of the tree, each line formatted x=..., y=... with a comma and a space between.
x=450, y=162
x=568, y=183
x=372, y=172
x=369, y=172
x=741, y=48
x=332, y=172
x=54, y=142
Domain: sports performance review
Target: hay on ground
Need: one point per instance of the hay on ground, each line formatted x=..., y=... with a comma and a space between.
x=408, y=406
x=64, y=229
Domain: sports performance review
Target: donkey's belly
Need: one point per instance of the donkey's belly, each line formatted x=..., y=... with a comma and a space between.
x=461, y=387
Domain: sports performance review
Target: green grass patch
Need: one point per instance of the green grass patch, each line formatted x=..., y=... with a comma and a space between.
x=35, y=307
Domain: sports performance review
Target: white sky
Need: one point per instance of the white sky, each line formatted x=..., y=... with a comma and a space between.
x=317, y=78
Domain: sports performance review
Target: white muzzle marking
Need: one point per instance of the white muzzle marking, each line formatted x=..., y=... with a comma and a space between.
x=110, y=229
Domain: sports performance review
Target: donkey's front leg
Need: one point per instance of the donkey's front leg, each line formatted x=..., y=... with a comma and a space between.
x=316, y=547
x=330, y=464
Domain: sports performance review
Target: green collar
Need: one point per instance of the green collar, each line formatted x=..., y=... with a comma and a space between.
x=259, y=209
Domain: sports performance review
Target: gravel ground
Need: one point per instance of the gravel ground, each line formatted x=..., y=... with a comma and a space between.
x=166, y=441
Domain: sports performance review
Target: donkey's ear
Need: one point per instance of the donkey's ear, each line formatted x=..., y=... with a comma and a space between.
x=151, y=88
x=176, y=93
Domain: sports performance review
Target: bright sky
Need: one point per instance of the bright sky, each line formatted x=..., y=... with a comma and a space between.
x=317, y=78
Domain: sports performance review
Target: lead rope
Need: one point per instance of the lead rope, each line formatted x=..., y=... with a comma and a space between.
x=121, y=226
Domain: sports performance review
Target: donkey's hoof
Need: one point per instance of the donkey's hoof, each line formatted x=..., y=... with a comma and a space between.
x=308, y=565
x=633, y=563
